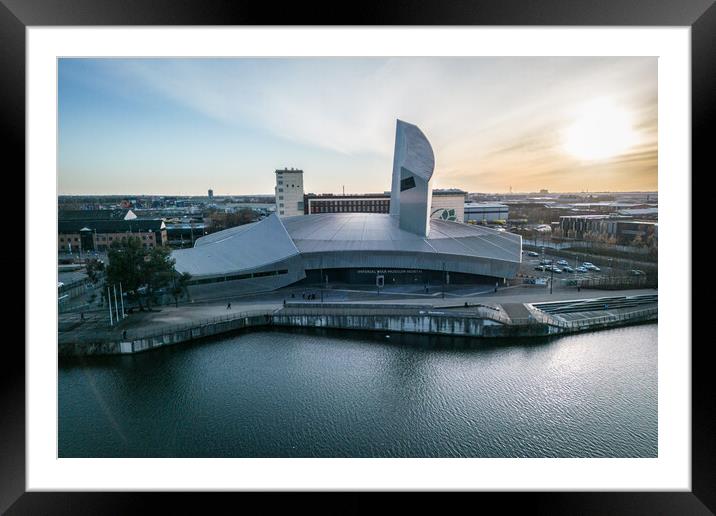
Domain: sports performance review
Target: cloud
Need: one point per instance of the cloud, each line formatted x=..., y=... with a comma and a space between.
x=482, y=115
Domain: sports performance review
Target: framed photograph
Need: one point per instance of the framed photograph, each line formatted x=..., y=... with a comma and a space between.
x=412, y=251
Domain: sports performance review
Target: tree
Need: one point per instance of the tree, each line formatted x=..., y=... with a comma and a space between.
x=158, y=271
x=94, y=268
x=141, y=271
x=220, y=221
x=179, y=286
x=125, y=258
x=637, y=241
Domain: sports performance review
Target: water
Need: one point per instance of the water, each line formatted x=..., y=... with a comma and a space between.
x=338, y=394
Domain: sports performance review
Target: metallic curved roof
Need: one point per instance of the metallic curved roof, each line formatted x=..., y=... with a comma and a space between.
x=380, y=232
x=236, y=249
x=272, y=240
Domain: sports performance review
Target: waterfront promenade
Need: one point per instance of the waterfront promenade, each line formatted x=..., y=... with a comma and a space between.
x=97, y=322
x=498, y=307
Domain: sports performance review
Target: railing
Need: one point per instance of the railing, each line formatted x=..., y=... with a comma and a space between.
x=476, y=312
x=596, y=321
x=613, y=282
x=536, y=318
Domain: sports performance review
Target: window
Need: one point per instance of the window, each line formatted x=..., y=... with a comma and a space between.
x=280, y=182
x=238, y=277
x=267, y=273
x=280, y=197
x=280, y=189
x=407, y=183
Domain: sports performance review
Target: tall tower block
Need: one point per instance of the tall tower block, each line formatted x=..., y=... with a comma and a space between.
x=289, y=192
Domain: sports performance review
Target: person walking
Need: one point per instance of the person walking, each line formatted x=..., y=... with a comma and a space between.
x=228, y=306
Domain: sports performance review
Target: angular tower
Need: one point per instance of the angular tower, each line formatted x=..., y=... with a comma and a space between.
x=411, y=190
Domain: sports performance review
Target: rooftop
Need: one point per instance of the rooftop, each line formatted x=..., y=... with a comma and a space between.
x=448, y=191
x=380, y=232
x=485, y=205
x=110, y=226
x=92, y=214
x=274, y=239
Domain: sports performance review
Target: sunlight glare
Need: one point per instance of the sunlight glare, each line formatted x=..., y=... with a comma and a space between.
x=601, y=130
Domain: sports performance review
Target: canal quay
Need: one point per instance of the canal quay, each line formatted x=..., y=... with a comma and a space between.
x=522, y=311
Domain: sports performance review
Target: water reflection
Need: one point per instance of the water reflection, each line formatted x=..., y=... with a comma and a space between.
x=319, y=393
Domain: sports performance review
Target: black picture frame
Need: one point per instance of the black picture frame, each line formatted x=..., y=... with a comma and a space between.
x=16, y=15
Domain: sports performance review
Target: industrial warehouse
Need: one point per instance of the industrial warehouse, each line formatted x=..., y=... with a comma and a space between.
x=403, y=246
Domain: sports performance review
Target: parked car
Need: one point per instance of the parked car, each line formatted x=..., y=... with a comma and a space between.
x=545, y=262
x=556, y=270
x=567, y=268
x=581, y=269
x=540, y=268
x=562, y=262
x=595, y=269
x=637, y=272
x=587, y=265
x=532, y=253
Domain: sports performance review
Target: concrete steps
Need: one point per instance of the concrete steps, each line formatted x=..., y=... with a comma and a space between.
x=602, y=303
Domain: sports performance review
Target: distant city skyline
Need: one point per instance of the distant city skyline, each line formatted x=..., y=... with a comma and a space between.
x=182, y=126
x=271, y=194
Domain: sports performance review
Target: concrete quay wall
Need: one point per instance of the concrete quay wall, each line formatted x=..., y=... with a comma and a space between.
x=168, y=338
x=399, y=323
x=431, y=324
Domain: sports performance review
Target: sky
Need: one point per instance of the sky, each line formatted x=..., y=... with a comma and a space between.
x=182, y=126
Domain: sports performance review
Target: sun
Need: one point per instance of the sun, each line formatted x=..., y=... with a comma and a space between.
x=601, y=130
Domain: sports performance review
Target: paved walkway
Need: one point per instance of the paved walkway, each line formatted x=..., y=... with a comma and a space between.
x=96, y=324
